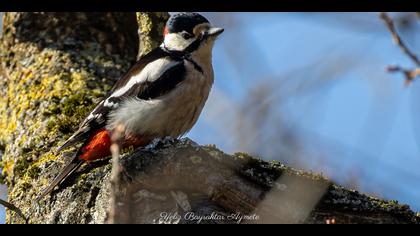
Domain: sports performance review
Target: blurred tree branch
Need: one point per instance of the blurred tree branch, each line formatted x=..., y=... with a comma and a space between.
x=13, y=208
x=115, y=215
x=397, y=38
x=410, y=74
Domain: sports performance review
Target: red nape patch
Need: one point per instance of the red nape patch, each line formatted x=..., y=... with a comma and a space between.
x=165, y=31
x=97, y=147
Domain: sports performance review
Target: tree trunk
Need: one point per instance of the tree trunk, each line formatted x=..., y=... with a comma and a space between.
x=56, y=66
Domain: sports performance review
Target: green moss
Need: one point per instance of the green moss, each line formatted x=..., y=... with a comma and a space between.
x=42, y=101
x=70, y=106
x=81, y=180
x=391, y=205
x=46, y=89
x=195, y=159
x=150, y=27
x=243, y=155
x=20, y=166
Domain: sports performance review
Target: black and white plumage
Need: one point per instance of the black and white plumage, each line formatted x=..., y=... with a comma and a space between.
x=162, y=94
x=165, y=91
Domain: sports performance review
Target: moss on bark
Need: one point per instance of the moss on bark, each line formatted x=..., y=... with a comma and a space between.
x=55, y=67
x=151, y=25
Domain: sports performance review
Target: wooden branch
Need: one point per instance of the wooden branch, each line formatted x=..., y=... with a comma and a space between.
x=12, y=207
x=409, y=74
x=116, y=215
x=179, y=181
x=169, y=181
x=190, y=173
x=235, y=189
x=397, y=38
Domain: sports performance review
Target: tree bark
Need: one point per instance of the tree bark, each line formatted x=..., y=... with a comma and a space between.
x=56, y=66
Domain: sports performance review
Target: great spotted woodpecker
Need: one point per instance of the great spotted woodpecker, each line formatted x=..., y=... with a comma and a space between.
x=162, y=95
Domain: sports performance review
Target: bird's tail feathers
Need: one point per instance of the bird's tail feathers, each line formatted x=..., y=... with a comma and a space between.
x=72, y=166
x=68, y=143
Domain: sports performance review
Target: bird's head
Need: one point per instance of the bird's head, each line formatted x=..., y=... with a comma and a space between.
x=189, y=32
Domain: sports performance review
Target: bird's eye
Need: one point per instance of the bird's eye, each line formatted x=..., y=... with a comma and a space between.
x=186, y=35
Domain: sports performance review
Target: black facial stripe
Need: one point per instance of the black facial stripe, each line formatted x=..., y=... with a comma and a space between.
x=196, y=66
x=185, y=54
x=193, y=46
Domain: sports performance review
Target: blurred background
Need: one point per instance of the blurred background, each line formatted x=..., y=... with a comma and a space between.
x=311, y=90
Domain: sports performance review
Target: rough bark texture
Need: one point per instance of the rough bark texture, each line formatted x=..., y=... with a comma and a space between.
x=151, y=25
x=56, y=66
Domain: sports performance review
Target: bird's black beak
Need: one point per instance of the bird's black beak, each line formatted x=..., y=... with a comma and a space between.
x=214, y=31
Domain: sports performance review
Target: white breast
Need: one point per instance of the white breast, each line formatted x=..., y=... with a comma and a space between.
x=173, y=114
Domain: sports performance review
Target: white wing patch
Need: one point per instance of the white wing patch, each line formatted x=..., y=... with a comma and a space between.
x=149, y=73
x=92, y=114
x=110, y=104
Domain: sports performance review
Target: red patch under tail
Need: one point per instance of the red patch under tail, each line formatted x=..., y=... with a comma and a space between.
x=97, y=146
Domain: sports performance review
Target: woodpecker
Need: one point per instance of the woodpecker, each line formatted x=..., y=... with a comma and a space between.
x=161, y=95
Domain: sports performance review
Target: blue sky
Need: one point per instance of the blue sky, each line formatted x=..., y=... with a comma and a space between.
x=357, y=126
x=353, y=121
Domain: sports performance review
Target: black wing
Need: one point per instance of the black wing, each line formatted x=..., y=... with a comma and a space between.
x=155, y=54
x=147, y=89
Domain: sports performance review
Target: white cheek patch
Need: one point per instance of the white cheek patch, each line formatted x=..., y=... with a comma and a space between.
x=176, y=42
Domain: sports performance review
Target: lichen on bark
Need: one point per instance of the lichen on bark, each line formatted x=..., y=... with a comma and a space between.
x=54, y=68
x=151, y=26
